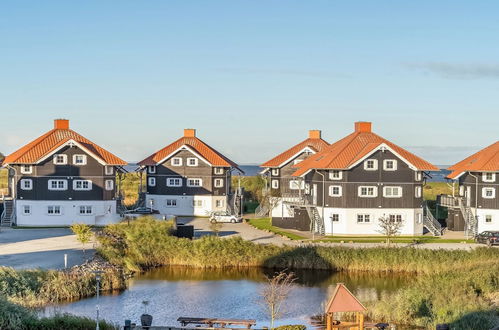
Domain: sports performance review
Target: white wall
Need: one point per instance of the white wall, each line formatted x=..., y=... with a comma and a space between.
x=482, y=225
x=281, y=210
x=104, y=212
x=185, y=206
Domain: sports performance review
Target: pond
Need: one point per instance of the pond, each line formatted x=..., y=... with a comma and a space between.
x=173, y=292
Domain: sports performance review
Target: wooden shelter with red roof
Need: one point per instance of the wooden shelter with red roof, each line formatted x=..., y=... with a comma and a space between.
x=60, y=178
x=343, y=301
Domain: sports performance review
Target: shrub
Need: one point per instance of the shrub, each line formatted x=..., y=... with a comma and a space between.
x=291, y=327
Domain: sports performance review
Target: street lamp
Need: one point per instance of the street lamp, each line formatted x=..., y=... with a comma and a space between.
x=98, y=277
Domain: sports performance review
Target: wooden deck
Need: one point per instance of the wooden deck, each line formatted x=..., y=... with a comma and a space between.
x=212, y=322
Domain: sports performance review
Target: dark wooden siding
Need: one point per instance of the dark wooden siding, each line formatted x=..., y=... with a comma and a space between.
x=300, y=221
x=468, y=180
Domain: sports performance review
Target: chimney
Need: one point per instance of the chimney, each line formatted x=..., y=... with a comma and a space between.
x=189, y=132
x=363, y=126
x=314, y=134
x=61, y=124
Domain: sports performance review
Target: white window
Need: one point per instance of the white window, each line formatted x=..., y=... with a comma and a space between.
x=363, y=218
x=58, y=185
x=197, y=203
x=219, y=203
x=390, y=165
x=275, y=184
x=417, y=192
x=171, y=202
x=489, y=177
x=219, y=170
x=418, y=176
x=26, y=210
x=109, y=170
x=174, y=182
x=194, y=182
x=109, y=184
x=219, y=183
x=335, y=175
x=335, y=191
x=26, y=184
x=60, y=159
x=395, y=217
x=335, y=217
x=488, y=218
x=368, y=191
x=371, y=164
x=192, y=162
x=82, y=185
x=176, y=161
x=151, y=182
x=296, y=184
x=85, y=210
x=26, y=169
x=461, y=190
x=275, y=171
x=151, y=169
x=54, y=210
x=79, y=159
x=392, y=192
x=488, y=192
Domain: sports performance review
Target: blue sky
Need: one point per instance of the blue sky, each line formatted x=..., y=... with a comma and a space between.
x=251, y=76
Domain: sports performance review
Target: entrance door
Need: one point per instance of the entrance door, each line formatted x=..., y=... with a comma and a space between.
x=314, y=194
x=467, y=195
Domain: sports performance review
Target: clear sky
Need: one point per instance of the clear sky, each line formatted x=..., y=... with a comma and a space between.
x=251, y=76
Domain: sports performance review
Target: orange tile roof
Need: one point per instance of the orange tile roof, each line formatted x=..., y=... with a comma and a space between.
x=53, y=139
x=485, y=160
x=314, y=142
x=190, y=140
x=354, y=147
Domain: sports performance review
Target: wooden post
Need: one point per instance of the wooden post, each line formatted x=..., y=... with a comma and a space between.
x=361, y=321
x=329, y=321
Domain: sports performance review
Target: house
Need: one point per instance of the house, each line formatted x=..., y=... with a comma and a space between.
x=188, y=177
x=61, y=178
x=348, y=186
x=279, y=170
x=476, y=208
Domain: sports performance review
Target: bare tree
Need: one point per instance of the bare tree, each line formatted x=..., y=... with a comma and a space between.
x=275, y=292
x=389, y=227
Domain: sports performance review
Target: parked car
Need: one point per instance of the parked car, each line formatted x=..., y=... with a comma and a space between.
x=488, y=237
x=224, y=217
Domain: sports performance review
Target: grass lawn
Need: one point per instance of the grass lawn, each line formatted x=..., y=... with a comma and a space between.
x=3, y=180
x=432, y=189
x=399, y=239
x=264, y=224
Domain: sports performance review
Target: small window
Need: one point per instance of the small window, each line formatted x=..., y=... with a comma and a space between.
x=171, y=202
x=368, y=191
x=219, y=183
x=192, y=162
x=363, y=218
x=335, y=191
x=197, y=203
x=109, y=170
x=395, y=217
x=392, y=192
x=390, y=165
x=26, y=184
x=151, y=182
x=176, y=161
x=54, y=210
x=418, y=176
x=57, y=184
x=275, y=171
x=489, y=177
x=488, y=218
x=275, y=184
x=219, y=170
x=488, y=192
x=371, y=165
x=26, y=210
x=79, y=159
x=26, y=169
x=417, y=192
x=60, y=159
x=109, y=184
x=82, y=185
x=151, y=169
x=85, y=210
x=335, y=217
x=335, y=175
x=174, y=182
x=296, y=184
x=219, y=203
x=194, y=182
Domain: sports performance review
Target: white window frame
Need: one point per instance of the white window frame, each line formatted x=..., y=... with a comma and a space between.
x=197, y=203
x=218, y=170
x=88, y=182
x=109, y=185
x=363, y=216
x=26, y=169
x=83, y=157
x=171, y=202
x=492, y=179
x=375, y=164
x=335, y=215
x=64, y=185
x=189, y=182
x=85, y=209
x=488, y=216
x=196, y=161
x=398, y=215
x=418, y=191
x=418, y=176
x=275, y=172
x=340, y=191
x=23, y=184
x=151, y=169
x=151, y=182
x=484, y=192
x=387, y=189
x=385, y=165
x=275, y=184
x=296, y=184
x=26, y=207
x=375, y=191
x=335, y=175
x=172, y=162
x=219, y=183
x=64, y=159
x=219, y=203
x=54, y=208
x=108, y=170
x=169, y=182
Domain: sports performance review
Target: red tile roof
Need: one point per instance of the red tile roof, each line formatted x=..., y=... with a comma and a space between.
x=314, y=141
x=53, y=139
x=190, y=140
x=485, y=160
x=346, y=152
x=343, y=300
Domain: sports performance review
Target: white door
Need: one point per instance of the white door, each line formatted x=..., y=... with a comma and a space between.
x=314, y=194
x=467, y=194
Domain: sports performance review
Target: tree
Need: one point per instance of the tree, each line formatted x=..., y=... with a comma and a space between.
x=389, y=227
x=275, y=292
x=83, y=233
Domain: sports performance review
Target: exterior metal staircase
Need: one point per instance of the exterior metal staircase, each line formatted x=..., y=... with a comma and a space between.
x=430, y=223
x=470, y=218
x=261, y=211
x=316, y=221
x=8, y=215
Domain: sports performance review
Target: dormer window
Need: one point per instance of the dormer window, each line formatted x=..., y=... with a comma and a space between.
x=176, y=161
x=371, y=165
x=26, y=169
x=151, y=169
x=60, y=159
x=389, y=165
x=335, y=175
x=192, y=162
x=79, y=159
x=275, y=171
x=489, y=177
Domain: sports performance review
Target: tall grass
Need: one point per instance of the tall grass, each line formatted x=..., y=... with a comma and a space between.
x=129, y=187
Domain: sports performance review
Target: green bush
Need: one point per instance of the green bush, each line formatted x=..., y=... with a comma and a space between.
x=291, y=327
